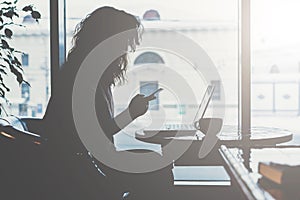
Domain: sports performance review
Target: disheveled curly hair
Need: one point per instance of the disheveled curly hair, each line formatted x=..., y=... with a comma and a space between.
x=100, y=25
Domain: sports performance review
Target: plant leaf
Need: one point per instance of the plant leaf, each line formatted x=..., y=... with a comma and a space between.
x=26, y=83
x=16, y=72
x=2, y=93
x=16, y=60
x=7, y=3
x=7, y=89
x=9, y=14
x=3, y=72
x=3, y=66
x=7, y=61
x=4, y=44
x=16, y=14
x=35, y=15
x=8, y=33
x=27, y=8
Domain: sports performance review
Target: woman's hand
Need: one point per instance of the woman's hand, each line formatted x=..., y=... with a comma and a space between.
x=139, y=105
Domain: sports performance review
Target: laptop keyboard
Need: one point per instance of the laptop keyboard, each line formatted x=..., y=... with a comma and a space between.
x=178, y=127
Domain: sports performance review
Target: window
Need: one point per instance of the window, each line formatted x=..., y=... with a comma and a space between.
x=25, y=60
x=151, y=15
x=275, y=64
x=23, y=109
x=212, y=25
x=25, y=92
x=148, y=57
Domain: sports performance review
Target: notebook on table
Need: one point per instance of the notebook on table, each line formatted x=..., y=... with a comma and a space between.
x=201, y=175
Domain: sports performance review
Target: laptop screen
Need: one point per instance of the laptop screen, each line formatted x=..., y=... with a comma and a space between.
x=204, y=103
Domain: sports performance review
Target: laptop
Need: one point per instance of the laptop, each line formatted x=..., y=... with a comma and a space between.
x=186, y=129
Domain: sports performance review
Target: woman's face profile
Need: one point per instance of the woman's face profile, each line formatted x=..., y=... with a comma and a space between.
x=114, y=73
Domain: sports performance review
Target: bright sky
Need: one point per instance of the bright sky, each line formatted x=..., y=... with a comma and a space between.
x=169, y=9
x=276, y=20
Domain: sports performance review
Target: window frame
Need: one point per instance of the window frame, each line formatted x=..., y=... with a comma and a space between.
x=245, y=68
x=58, y=27
x=57, y=37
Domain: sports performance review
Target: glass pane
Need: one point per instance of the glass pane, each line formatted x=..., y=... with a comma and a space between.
x=276, y=64
x=34, y=41
x=210, y=24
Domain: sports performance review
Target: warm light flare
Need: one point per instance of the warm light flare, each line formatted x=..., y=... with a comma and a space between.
x=7, y=135
x=36, y=142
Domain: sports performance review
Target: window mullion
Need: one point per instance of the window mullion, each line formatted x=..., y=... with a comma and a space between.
x=245, y=87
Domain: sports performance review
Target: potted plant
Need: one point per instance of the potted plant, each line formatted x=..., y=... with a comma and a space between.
x=9, y=62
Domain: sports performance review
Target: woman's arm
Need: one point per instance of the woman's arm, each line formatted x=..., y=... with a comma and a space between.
x=138, y=106
x=123, y=119
x=112, y=125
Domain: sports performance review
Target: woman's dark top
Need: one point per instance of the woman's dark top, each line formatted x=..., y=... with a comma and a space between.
x=73, y=170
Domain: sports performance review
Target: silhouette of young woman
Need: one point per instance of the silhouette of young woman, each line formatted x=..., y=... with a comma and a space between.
x=72, y=174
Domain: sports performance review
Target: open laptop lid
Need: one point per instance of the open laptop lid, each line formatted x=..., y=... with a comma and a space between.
x=204, y=103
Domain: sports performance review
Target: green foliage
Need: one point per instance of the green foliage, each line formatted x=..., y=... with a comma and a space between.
x=9, y=10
